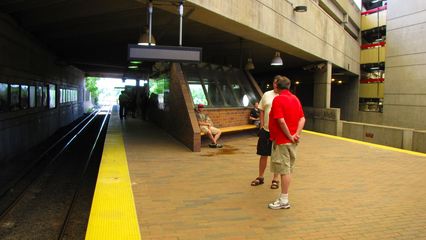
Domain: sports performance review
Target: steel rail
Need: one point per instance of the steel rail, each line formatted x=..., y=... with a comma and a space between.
x=52, y=160
x=81, y=179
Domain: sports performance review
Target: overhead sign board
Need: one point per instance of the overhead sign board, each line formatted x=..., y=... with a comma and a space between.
x=164, y=53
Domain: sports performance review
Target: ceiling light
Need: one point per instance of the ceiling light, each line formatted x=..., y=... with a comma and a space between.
x=144, y=39
x=297, y=82
x=277, y=61
x=249, y=64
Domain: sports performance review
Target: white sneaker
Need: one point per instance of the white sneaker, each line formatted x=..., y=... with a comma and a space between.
x=278, y=204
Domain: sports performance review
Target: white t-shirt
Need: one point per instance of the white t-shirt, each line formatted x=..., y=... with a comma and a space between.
x=265, y=105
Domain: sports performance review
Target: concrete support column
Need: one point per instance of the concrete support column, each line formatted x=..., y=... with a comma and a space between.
x=322, y=85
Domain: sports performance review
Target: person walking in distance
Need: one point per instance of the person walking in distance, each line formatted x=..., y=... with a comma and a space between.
x=264, y=143
x=286, y=121
x=123, y=101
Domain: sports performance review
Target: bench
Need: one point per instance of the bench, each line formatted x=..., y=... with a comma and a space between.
x=236, y=128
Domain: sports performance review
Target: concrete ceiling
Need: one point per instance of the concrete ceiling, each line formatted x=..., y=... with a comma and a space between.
x=93, y=34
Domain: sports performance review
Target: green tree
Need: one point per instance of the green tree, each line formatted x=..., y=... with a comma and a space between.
x=91, y=86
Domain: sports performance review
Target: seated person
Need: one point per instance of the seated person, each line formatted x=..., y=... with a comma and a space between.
x=206, y=126
x=255, y=115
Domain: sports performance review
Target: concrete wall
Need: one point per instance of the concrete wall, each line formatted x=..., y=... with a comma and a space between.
x=419, y=141
x=327, y=121
x=379, y=134
x=344, y=12
x=405, y=138
x=24, y=61
x=370, y=117
x=405, y=84
x=324, y=120
x=312, y=35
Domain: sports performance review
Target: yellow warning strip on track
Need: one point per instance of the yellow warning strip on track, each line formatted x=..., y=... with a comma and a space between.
x=367, y=143
x=113, y=213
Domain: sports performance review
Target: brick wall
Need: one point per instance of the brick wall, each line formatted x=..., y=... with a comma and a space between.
x=178, y=119
x=228, y=117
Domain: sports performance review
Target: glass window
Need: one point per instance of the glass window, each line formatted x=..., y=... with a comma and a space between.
x=24, y=96
x=32, y=96
x=75, y=98
x=237, y=89
x=247, y=87
x=14, y=97
x=197, y=93
x=212, y=88
x=45, y=93
x=68, y=95
x=3, y=97
x=218, y=86
x=61, y=95
x=52, y=96
x=39, y=98
x=226, y=87
x=195, y=86
x=159, y=89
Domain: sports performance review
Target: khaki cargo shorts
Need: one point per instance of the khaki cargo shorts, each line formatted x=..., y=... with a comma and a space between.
x=283, y=157
x=205, y=130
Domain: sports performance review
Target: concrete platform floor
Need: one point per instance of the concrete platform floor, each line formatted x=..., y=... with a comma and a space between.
x=340, y=190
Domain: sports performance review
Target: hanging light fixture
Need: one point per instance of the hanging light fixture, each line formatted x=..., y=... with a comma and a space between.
x=249, y=64
x=277, y=61
x=146, y=39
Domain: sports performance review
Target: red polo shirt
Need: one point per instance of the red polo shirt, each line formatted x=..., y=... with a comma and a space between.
x=286, y=106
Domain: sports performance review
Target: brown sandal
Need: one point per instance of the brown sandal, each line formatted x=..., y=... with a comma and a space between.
x=275, y=184
x=257, y=181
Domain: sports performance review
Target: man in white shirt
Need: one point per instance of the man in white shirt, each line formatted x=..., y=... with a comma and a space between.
x=264, y=144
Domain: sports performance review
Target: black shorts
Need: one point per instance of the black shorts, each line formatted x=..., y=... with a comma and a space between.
x=264, y=144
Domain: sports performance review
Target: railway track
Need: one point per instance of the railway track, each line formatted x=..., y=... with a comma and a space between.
x=51, y=199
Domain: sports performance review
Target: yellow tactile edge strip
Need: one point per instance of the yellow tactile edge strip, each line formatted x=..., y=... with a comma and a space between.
x=113, y=213
x=367, y=143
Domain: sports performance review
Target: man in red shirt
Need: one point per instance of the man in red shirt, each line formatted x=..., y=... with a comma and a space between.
x=286, y=121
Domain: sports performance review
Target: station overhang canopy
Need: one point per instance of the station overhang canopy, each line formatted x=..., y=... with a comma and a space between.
x=164, y=53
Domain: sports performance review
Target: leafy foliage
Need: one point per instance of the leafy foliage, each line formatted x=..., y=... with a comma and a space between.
x=160, y=84
x=91, y=86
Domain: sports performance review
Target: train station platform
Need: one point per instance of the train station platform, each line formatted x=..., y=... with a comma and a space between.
x=341, y=189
